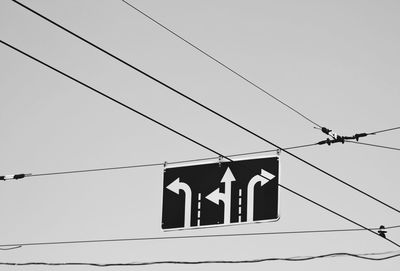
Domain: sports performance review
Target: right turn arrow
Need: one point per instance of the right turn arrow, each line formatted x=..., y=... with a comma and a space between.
x=250, y=191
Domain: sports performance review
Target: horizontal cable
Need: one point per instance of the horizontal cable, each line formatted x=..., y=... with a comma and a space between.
x=158, y=164
x=363, y=256
x=94, y=170
x=10, y=248
x=159, y=238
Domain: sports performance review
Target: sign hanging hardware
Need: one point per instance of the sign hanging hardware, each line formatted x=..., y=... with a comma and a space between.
x=219, y=161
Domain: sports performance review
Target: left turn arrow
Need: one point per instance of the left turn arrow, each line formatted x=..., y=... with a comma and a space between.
x=175, y=187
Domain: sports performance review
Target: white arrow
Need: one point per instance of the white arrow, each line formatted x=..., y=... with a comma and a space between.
x=175, y=187
x=217, y=196
x=250, y=191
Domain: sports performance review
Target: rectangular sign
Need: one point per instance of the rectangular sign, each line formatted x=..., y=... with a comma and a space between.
x=225, y=193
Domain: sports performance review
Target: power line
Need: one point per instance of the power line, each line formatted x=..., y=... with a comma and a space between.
x=373, y=145
x=221, y=63
x=184, y=136
x=204, y=107
x=10, y=248
x=164, y=238
x=110, y=98
x=95, y=170
x=329, y=210
x=241, y=76
x=386, y=130
x=363, y=256
x=20, y=176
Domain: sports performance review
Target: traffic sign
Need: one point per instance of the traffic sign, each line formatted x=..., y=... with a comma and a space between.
x=220, y=193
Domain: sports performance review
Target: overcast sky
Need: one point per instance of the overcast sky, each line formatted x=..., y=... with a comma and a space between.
x=337, y=62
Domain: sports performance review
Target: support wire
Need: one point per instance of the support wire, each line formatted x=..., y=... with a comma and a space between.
x=182, y=135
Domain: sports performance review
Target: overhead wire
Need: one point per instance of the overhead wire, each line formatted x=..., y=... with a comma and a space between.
x=204, y=107
x=184, y=136
x=221, y=63
x=155, y=164
x=374, y=145
x=94, y=170
x=363, y=256
x=385, y=130
x=10, y=248
x=183, y=237
x=231, y=70
x=235, y=72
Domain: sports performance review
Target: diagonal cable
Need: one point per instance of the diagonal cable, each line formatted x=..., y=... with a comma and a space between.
x=207, y=108
x=374, y=145
x=385, y=130
x=221, y=63
x=182, y=135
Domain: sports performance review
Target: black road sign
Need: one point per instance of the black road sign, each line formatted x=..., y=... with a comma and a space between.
x=220, y=193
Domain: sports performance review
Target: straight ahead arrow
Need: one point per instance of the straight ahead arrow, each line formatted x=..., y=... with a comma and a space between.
x=217, y=196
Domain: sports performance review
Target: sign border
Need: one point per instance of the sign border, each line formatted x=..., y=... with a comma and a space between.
x=216, y=161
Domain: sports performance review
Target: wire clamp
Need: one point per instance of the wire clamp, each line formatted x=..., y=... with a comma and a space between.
x=165, y=165
x=278, y=152
x=14, y=177
x=219, y=160
x=357, y=136
x=382, y=231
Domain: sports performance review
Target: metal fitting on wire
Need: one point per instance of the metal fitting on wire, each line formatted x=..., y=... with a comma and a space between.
x=382, y=231
x=357, y=136
x=14, y=177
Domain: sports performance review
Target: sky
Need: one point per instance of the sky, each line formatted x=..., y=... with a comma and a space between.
x=337, y=62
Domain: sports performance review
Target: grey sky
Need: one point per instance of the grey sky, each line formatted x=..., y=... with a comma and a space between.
x=335, y=61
